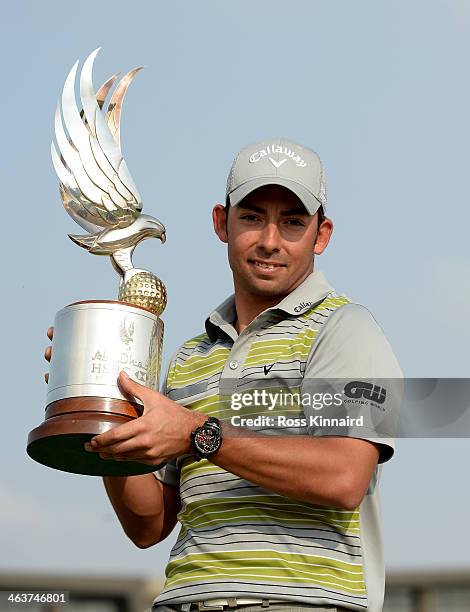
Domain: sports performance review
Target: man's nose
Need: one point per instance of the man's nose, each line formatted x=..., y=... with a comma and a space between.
x=270, y=238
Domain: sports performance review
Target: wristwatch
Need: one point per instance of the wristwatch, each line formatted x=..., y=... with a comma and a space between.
x=206, y=439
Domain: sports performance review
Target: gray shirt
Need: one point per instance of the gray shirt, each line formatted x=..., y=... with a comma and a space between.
x=238, y=539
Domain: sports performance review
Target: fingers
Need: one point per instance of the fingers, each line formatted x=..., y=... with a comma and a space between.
x=131, y=387
x=128, y=450
x=137, y=458
x=115, y=449
x=133, y=454
x=110, y=456
x=47, y=356
x=48, y=351
x=114, y=436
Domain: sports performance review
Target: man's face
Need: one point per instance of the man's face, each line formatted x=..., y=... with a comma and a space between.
x=271, y=241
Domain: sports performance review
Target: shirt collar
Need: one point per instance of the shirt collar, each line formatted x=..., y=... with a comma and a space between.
x=309, y=293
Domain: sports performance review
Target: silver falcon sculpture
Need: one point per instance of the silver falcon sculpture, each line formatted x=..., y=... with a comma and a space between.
x=96, y=187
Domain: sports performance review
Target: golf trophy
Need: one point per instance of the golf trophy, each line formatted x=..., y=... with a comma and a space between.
x=94, y=340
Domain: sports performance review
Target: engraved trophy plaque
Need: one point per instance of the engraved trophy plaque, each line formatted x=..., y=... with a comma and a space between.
x=95, y=339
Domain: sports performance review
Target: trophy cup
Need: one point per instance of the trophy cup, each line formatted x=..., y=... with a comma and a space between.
x=95, y=339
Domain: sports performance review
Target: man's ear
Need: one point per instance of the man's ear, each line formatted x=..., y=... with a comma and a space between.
x=323, y=236
x=219, y=219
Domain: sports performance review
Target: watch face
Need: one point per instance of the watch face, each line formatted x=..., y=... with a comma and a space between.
x=206, y=440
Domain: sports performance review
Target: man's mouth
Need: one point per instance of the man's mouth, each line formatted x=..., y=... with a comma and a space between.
x=267, y=266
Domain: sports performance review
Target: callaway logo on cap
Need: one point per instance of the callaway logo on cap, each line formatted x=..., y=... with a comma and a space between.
x=279, y=162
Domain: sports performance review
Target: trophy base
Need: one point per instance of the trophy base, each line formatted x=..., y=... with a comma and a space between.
x=59, y=441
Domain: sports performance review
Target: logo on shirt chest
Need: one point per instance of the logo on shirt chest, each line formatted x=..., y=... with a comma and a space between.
x=302, y=306
x=267, y=369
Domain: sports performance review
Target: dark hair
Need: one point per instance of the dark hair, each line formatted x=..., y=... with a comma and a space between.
x=321, y=216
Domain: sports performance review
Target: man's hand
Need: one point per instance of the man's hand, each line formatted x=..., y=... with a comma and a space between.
x=48, y=351
x=162, y=433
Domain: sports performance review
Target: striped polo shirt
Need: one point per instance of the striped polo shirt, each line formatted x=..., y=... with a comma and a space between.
x=238, y=539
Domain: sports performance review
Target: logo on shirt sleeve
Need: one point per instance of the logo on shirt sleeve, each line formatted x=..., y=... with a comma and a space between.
x=357, y=389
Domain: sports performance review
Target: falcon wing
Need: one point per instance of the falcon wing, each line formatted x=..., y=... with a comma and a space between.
x=96, y=187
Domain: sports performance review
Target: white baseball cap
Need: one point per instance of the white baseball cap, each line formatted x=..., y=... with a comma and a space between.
x=278, y=162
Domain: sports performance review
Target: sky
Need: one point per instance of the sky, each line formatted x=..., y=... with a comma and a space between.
x=380, y=90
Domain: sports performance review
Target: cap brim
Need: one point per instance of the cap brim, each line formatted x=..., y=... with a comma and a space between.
x=305, y=196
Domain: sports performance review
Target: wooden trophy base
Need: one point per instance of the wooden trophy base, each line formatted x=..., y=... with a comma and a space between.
x=59, y=441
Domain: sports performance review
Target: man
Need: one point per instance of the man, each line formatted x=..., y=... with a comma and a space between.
x=267, y=520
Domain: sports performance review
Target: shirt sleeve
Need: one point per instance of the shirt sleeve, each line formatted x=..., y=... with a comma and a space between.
x=169, y=473
x=353, y=384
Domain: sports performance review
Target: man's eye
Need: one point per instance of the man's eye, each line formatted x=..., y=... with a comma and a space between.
x=295, y=222
x=249, y=217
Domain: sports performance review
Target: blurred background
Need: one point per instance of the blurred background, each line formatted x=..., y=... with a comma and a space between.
x=382, y=91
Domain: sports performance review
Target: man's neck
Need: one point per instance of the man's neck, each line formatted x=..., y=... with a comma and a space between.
x=248, y=305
